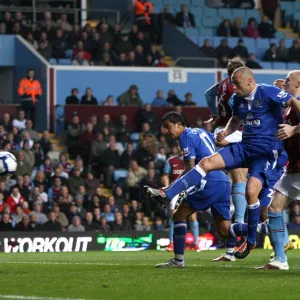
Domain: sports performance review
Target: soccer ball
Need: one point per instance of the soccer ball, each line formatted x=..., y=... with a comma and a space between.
x=8, y=164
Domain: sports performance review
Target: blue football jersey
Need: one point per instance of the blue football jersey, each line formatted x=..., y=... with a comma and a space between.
x=261, y=114
x=279, y=168
x=197, y=143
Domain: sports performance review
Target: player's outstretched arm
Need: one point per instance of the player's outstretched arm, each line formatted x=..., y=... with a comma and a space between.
x=286, y=131
x=233, y=125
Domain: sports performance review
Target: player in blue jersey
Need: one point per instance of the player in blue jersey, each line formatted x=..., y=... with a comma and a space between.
x=258, y=108
x=196, y=144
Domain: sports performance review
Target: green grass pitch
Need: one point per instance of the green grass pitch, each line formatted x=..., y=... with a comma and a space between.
x=131, y=275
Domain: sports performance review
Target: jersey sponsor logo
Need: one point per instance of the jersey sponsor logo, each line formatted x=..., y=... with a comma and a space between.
x=257, y=103
x=242, y=105
x=282, y=94
x=250, y=121
x=186, y=151
x=177, y=172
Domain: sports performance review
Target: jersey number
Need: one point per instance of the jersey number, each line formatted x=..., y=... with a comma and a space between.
x=207, y=141
x=271, y=192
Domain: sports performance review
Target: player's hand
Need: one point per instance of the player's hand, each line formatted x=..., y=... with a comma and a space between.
x=221, y=136
x=211, y=119
x=286, y=131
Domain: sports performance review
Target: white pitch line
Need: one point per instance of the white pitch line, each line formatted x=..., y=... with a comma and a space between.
x=35, y=298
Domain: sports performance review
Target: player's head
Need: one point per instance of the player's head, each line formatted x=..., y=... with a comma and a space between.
x=243, y=81
x=279, y=83
x=173, y=124
x=292, y=83
x=234, y=64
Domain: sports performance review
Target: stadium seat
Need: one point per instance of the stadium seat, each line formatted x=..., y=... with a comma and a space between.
x=65, y=61
x=210, y=12
x=250, y=44
x=289, y=43
x=266, y=65
x=238, y=12
x=157, y=9
x=225, y=13
x=198, y=12
x=277, y=65
x=53, y=61
x=293, y=66
x=263, y=43
x=191, y=31
x=194, y=39
x=232, y=41
x=296, y=15
x=260, y=53
x=275, y=41
x=217, y=40
x=286, y=6
x=69, y=53
x=297, y=6
x=135, y=136
x=206, y=32
x=171, y=2
x=209, y=22
x=179, y=2
x=279, y=35
x=252, y=13
x=120, y=174
x=200, y=3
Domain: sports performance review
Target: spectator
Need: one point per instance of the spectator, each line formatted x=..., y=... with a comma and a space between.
x=147, y=116
x=127, y=156
x=108, y=214
x=159, y=100
x=3, y=29
x=63, y=23
x=225, y=28
x=123, y=129
x=240, y=50
x=282, y=52
x=106, y=60
x=207, y=49
x=124, y=45
x=30, y=90
x=269, y=8
x=54, y=154
x=24, y=167
x=73, y=99
x=24, y=224
x=166, y=15
x=135, y=175
x=76, y=225
x=119, y=146
x=45, y=142
x=97, y=147
x=140, y=59
x=161, y=63
x=188, y=100
x=146, y=224
x=138, y=226
x=148, y=139
x=295, y=224
x=266, y=28
x=60, y=217
x=74, y=36
x=116, y=33
x=17, y=216
x=173, y=99
x=131, y=62
x=103, y=224
x=252, y=29
x=40, y=217
x=143, y=10
x=85, y=139
x=122, y=60
x=130, y=97
x=81, y=56
x=29, y=130
x=59, y=45
x=91, y=184
x=271, y=53
x=33, y=224
x=20, y=122
x=30, y=39
x=88, y=98
x=75, y=181
x=5, y=224
x=7, y=123
x=184, y=18
x=119, y=224
x=223, y=50
x=141, y=40
x=158, y=224
x=109, y=101
x=52, y=224
x=294, y=51
x=237, y=29
x=133, y=34
x=106, y=122
x=89, y=223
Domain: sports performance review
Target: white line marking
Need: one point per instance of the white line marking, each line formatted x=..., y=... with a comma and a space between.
x=35, y=297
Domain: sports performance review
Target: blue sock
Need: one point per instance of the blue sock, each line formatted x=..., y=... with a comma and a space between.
x=276, y=231
x=239, y=201
x=239, y=229
x=253, y=219
x=195, y=231
x=193, y=177
x=286, y=233
x=179, y=240
x=171, y=230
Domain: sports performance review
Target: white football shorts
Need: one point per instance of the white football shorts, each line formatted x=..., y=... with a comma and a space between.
x=289, y=185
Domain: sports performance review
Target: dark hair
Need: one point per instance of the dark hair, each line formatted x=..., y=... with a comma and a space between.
x=234, y=64
x=173, y=117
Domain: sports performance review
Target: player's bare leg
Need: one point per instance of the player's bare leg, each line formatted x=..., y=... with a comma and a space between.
x=180, y=219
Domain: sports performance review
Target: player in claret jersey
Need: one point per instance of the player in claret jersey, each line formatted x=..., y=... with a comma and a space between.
x=174, y=167
x=288, y=187
x=219, y=100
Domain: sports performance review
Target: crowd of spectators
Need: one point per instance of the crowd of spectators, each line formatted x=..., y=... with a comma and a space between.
x=103, y=45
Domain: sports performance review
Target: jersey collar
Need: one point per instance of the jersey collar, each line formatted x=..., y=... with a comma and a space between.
x=251, y=97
